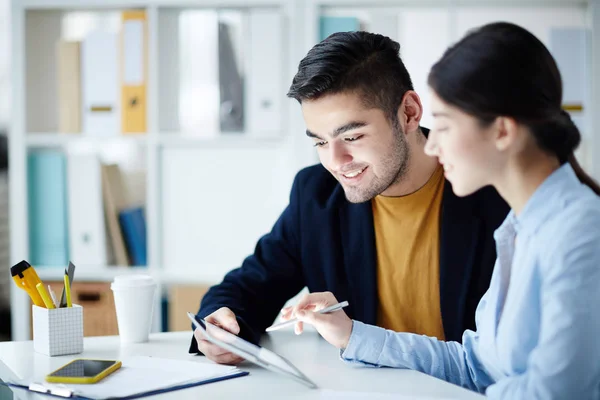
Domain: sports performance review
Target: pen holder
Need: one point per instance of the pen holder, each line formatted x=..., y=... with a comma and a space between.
x=58, y=331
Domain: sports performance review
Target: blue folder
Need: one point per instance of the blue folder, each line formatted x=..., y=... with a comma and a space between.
x=134, y=396
x=47, y=206
x=329, y=25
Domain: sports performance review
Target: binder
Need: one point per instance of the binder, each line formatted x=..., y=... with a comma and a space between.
x=133, y=224
x=47, y=206
x=329, y=25
x=87, y=232
x=113, y=193
x=265, y=93
x=231, y=86
x=133, y=72
x=69, y=86
x=100, y=83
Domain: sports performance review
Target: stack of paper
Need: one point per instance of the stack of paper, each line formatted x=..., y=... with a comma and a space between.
x=144, y=374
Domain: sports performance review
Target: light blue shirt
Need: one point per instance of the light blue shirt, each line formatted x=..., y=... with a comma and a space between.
x=538, y=325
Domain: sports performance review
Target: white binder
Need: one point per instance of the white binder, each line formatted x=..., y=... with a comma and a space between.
x=265, y=92
x=87, y=231
x=100, y=84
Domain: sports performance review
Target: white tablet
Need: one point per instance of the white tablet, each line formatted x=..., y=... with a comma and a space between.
x=248, y=351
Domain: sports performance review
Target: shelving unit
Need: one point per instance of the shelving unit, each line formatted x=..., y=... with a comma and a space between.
x=36, y=25
x=208, y=194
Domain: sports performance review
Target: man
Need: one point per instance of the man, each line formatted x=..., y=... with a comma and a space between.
x=376, y=224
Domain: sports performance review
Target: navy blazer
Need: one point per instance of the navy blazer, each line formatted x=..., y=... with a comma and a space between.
x=326, y=243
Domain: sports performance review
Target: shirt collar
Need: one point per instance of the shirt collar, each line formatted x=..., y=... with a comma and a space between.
x=546, y=200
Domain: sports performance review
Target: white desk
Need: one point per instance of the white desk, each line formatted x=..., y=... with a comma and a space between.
x=309, y=352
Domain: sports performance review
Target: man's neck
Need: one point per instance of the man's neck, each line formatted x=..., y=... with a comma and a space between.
x=420, y=168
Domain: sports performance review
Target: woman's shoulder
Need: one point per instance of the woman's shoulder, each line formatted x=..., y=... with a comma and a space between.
x=573, y=230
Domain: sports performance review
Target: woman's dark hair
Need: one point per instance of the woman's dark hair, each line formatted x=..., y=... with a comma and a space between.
x=362, y=62
x=502, y=69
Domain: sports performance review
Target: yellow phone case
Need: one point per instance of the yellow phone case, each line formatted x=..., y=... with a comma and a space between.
x=83, y=380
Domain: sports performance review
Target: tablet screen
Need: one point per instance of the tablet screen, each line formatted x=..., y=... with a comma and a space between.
x=227, y=337
x=256, y=354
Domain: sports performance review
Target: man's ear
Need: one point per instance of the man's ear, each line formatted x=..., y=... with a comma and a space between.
x=410, y=111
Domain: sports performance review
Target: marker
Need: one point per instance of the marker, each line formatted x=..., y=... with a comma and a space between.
x=44, y=295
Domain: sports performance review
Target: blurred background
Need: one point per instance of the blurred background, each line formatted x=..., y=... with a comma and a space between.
x=155, y=136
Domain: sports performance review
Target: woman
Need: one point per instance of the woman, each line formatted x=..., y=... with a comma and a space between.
x=498, y=121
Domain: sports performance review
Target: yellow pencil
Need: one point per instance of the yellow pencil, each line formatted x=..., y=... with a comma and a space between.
x=44, y=295
x=68, y=291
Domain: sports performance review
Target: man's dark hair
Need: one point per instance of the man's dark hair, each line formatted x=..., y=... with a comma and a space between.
x=366, y=63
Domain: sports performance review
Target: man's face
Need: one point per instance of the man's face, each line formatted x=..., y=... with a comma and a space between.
x=358, y=145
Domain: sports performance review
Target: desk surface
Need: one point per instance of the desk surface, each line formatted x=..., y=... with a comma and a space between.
x=309, y=352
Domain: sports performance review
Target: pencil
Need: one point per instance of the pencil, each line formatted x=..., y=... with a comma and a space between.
x=68, y=290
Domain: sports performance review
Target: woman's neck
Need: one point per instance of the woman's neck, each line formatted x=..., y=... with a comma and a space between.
x=523, y=176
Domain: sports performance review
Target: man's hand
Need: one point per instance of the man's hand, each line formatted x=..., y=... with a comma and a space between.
x=335, y=327
x=224, y=318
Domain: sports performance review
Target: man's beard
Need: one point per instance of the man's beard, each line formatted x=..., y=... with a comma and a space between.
x=393, y=169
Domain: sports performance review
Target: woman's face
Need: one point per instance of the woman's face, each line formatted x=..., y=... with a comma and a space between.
x=465, y=149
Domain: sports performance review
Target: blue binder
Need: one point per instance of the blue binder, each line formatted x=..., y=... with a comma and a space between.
x=47, y=206
x=329, y=25
x=133, y=225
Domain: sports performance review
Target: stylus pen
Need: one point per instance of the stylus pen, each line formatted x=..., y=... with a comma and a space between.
x=326, y=310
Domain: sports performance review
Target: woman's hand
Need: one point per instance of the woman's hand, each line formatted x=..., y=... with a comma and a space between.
x=335, y=327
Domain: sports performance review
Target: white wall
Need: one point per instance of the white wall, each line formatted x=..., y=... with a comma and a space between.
x=4, y=63
x=425, y=32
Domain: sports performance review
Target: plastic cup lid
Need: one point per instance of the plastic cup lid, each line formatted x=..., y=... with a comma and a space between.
x=129, y=281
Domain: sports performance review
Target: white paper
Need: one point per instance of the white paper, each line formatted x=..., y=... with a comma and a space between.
x=142, y=374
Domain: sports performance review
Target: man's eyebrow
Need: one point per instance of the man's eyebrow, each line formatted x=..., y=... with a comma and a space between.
x=348, y=127
x=313, y=135
x=338, y=131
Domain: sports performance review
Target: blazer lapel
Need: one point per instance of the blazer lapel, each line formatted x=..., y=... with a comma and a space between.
x=459, y=232
x=358, y=243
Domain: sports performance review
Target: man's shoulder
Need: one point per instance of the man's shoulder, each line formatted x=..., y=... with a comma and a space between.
x=487, y=203
x=317, y=184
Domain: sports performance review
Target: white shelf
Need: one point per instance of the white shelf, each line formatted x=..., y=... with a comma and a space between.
x=107, y=273
x=237, y=139
x=88, y=273
x=65, y=139
x=123, y=4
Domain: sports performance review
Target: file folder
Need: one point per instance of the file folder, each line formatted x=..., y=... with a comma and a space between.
x=265, y=96
x=140, y=376
x=100, y=88
x=133, y=72
x=87, y=232
x=69, y=86
x=329, y=25
x=66, y=393
x=47, y=206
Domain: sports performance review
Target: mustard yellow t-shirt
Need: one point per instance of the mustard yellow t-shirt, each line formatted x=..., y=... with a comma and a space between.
x=408, y=273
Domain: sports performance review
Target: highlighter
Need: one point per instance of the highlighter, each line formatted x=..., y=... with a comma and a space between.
x=27, y=279
x=45, y=297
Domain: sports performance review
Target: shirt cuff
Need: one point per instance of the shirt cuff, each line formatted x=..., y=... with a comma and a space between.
x=365, y=344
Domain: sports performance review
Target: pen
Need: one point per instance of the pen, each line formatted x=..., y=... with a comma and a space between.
x=53, y=296
x=326, y=310
x=68, y=290
x=71, y=274
x=44, y=294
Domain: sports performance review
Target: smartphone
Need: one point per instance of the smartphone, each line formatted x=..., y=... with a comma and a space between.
x=83, y=371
